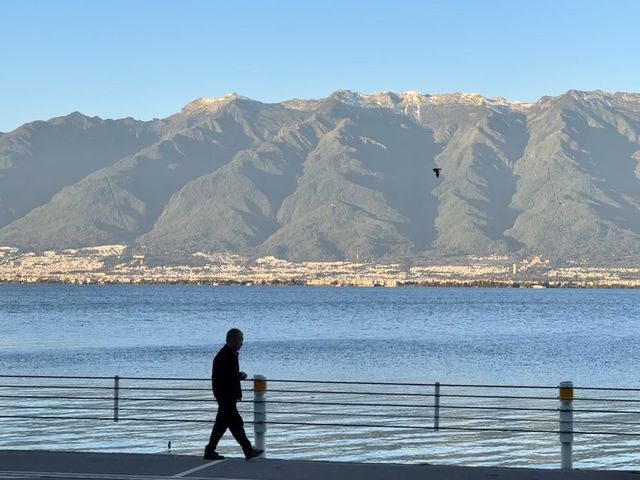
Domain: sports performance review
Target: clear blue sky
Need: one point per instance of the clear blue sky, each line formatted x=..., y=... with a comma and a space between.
x=145, y=59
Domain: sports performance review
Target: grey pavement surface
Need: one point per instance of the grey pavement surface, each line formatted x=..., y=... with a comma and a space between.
x=44, y=465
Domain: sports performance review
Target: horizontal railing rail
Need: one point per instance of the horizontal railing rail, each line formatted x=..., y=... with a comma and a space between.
x=331, y=404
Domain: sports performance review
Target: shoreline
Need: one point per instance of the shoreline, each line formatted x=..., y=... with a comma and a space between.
x=113, y=264
x=533, y=285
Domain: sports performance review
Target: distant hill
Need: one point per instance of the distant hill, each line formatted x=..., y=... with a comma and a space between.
x=345, y=177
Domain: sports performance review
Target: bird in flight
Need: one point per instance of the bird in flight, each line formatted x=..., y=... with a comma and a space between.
x=437, y=170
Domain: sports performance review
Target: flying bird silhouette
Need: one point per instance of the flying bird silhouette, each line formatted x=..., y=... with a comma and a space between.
x=437, y=170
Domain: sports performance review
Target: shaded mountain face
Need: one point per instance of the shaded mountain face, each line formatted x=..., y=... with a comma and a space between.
x=346, y=177
x=41, y=158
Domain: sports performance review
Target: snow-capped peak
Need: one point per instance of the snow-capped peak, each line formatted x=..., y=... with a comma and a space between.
x=412, y=102
x=347, y=96
x=213, y=103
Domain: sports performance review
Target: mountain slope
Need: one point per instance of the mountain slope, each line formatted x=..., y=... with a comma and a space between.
x=38, y=159
x=345, y=177
x=122, y=201
x=579, y=189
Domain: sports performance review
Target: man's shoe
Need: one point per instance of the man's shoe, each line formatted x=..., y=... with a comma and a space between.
x=255, y=452
x=212, y=456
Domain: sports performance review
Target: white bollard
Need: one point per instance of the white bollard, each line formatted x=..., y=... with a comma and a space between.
x=260, y=411
x=566, y=425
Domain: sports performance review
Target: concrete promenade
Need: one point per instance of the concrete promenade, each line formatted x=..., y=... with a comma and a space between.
x=44, y=465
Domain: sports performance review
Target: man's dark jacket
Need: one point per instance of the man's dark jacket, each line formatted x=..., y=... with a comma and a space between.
x=225, y=376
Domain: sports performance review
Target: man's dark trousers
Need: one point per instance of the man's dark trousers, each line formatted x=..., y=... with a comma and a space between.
x=228, y=417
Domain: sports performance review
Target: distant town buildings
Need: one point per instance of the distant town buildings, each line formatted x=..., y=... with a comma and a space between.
x=119, y=264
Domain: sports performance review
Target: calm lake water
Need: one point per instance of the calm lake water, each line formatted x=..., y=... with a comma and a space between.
x=472, y=336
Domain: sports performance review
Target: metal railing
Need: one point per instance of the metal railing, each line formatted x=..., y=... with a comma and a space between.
x=376, y=412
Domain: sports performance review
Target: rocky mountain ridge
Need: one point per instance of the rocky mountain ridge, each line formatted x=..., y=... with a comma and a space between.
x=344, y=177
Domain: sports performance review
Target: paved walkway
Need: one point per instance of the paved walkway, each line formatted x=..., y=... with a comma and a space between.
x=47, y=465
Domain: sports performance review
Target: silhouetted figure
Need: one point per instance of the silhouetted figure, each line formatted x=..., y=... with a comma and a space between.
x=437, y=170
x=225, y=381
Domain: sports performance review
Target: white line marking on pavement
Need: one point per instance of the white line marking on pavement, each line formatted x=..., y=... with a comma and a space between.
x=196, y=469
x=17, y=474
x=93, y=476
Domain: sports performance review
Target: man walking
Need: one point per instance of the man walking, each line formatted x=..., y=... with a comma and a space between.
x=225, y=380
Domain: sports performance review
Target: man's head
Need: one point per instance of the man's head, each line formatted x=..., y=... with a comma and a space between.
x=235, y=337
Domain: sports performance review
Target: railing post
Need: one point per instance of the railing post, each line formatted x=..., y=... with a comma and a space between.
x=436, y=408
x=260, y=411
x=566, y=425
x=116, y=397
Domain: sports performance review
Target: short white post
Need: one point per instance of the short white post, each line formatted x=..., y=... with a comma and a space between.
x=260, y=411
x=566, y=424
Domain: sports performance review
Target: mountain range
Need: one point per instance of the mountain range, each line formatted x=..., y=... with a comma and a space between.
x=346, y=177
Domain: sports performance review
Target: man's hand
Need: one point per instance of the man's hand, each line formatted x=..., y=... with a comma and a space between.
x=243, y=376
